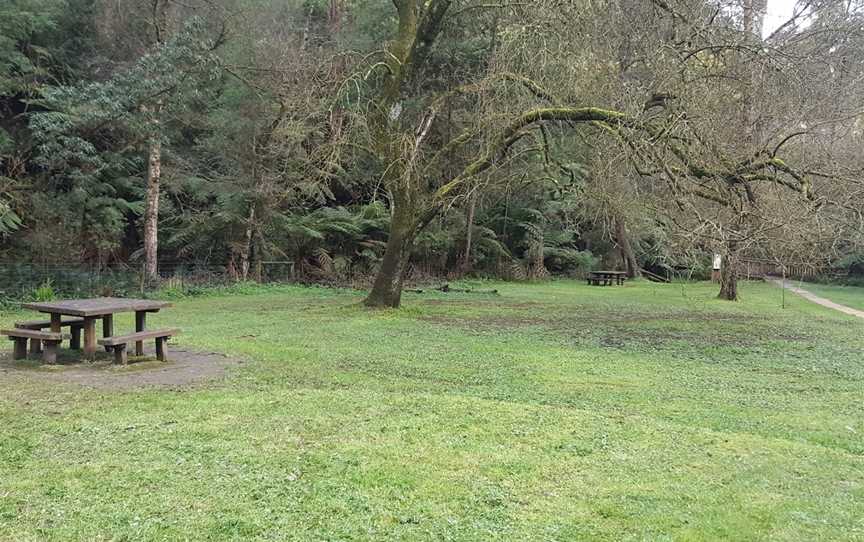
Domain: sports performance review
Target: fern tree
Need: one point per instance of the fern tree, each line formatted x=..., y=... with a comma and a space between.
x=91, y=131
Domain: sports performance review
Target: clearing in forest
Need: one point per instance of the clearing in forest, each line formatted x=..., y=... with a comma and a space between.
x=552, y=411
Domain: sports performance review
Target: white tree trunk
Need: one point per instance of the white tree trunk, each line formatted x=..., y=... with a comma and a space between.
x=245, y=256
x=151, y=213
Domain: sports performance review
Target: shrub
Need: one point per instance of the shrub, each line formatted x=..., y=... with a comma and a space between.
x=45, y=291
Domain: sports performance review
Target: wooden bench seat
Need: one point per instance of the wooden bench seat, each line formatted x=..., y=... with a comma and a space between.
x=50, y=339
x=75, y=325
x=118, y=343
x=43, y=324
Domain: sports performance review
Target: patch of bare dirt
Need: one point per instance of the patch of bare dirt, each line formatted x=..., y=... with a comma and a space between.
x=184, y=369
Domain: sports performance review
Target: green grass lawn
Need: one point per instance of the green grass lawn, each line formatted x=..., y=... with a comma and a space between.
x=552, y=411
x=851, y=296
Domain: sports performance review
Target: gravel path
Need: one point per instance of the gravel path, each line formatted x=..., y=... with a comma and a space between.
x=818, y=300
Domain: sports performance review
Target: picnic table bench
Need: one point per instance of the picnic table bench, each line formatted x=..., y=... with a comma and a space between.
x=118, y=343
x=81, y=316
x=606, y=278
x=50, y=339
x=74, y=324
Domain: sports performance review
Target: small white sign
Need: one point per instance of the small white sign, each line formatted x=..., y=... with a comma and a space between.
x=395, y=111
x=718, y=260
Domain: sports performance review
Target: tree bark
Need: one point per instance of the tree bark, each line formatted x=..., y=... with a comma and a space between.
x=729, y=274
x=151, y=213
x=627, y=254
x=467, y=260
x=306, y=28
x=537, y=263
x=754, y=22
x=754, y=17
x=247, y=245
x=334, y=16
x=154, y=163
x=387, y=290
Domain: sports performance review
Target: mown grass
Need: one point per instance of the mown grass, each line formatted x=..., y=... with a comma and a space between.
x=851, y=296
x=549, y=412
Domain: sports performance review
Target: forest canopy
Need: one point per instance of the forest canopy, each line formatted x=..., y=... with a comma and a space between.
x=384, y=140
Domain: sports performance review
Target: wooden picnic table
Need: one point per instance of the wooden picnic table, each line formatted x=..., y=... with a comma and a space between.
x=605, y=278
x=103, y=308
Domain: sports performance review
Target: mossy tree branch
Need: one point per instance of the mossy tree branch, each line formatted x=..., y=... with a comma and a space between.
x=688, y=169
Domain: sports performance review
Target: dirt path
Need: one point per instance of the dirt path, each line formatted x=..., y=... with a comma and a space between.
x=819, y=300
x=185, y=368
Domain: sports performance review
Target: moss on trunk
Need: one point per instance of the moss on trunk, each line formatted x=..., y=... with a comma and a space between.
x=387, y=289
x=729, y=275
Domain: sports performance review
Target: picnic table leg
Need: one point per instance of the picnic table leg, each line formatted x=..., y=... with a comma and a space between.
x=120, y=356
x=35, y=347
x=75, y=340
x=56, y=327
x=90, y=338
x=50, y=353
x=140, y=325
x=56, y=323
x=20, y=350
x=107, y=328
x=162, y=348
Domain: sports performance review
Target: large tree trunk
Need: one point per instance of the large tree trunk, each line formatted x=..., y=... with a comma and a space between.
x=151, y=213
x=387, y=290
x=536, y=261
x=729, y=275
x=627, y=254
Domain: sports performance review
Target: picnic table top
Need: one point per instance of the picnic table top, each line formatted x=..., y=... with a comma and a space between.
x=97, y=306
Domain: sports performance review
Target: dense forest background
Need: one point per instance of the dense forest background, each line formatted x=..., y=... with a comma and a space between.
x=361, y=141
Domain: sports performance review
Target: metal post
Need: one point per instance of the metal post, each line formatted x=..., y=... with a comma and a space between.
x=783, y=289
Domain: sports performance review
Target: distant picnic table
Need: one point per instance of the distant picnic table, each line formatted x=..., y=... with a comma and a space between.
x=606, y=278
x=83, y=314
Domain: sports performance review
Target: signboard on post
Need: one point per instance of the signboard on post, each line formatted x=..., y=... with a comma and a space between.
x=715, y=269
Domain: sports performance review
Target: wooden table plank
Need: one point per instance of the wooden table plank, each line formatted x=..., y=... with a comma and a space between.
x=152, y=334
x=98, y=306
x=35, y=334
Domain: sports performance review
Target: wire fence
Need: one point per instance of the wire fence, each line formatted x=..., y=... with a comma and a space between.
x=21, y=281
x=27, y=281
